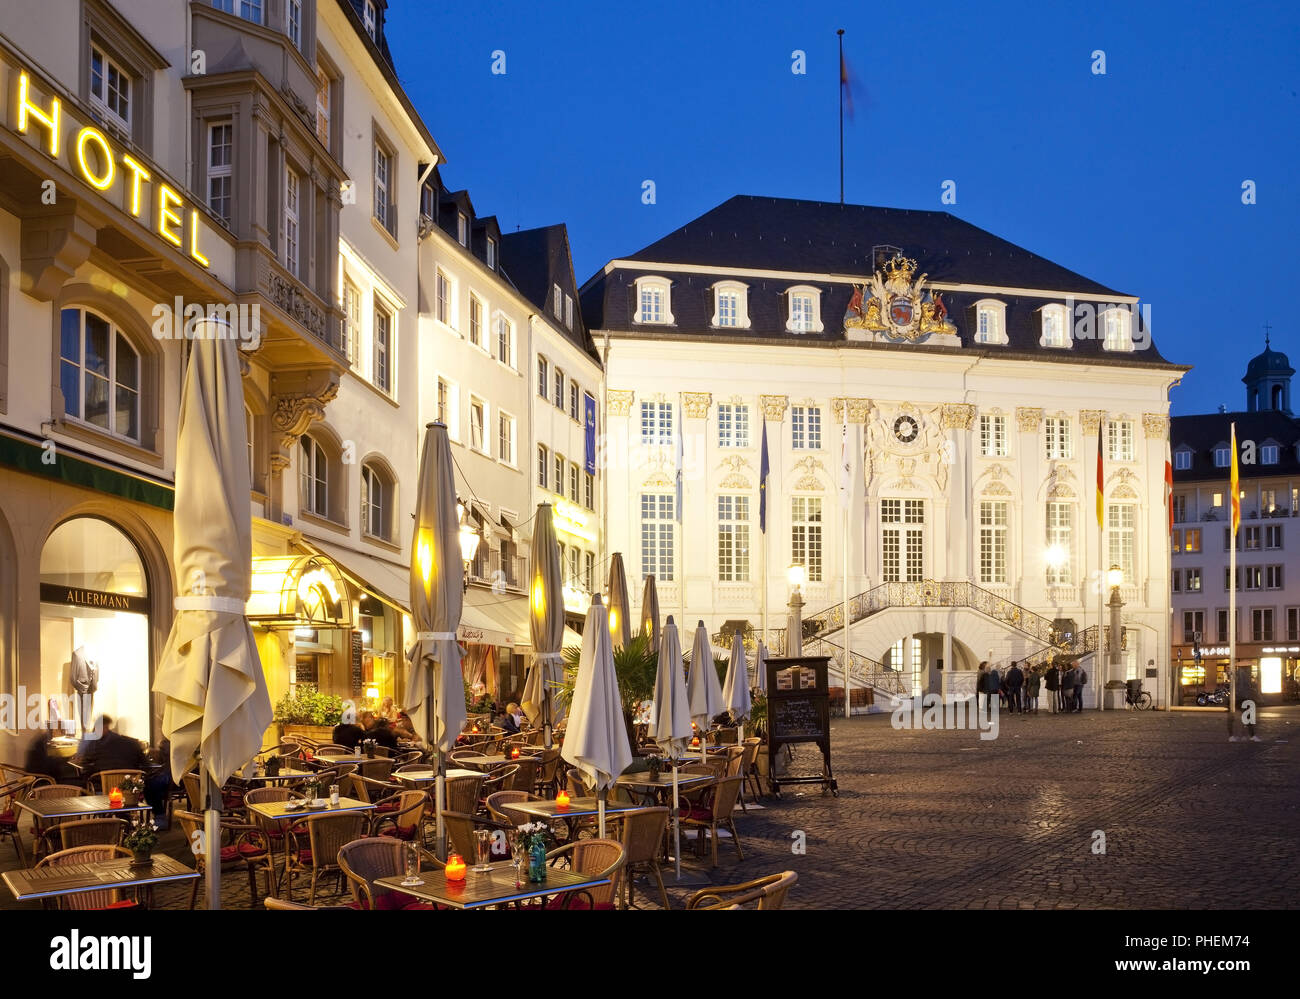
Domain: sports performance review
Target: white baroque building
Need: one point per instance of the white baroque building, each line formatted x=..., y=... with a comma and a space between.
x=974, y=378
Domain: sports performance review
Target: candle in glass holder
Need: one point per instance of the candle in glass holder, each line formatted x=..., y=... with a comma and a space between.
x=115, y=797
x=562, y=799
x=514, y=753
x=455, y=868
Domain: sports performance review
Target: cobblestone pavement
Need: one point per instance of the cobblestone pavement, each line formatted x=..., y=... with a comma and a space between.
x=943, y=819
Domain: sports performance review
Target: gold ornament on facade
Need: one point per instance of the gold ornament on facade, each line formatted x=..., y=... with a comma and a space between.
x=1090, y=419
x=696, y=404
x=1155, y=426
x=893, y=304
x=735, y=478
x=619, y=401
x=773, y=406
x=859, y=409
x=1028, y=419
x=957, y=416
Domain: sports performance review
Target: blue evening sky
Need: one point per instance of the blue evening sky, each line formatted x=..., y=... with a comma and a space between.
x=1133, y=178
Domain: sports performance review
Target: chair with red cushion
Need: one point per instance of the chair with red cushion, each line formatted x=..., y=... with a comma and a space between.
x=643, y=840
x=365, y=861
x=276, y=830
x=714, y=810
x=43, y=829
x=404, y=820
x=242, y=845
x=598, y=858
x=318, y=851
x=107, y=898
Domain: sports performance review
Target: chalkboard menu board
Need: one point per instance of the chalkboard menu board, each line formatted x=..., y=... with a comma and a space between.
x=358, y=677
x=798, y=706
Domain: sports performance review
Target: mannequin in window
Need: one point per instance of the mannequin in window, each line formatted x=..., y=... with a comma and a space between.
x=84, y=675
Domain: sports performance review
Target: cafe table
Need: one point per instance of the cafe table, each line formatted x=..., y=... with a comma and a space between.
x=79, y=807
x=278, y=810
x=577, y=808
x=493, y=887
x=656, y=788
x=494, y=760
x=69, y=879
x=284, y=775
x=427, y=775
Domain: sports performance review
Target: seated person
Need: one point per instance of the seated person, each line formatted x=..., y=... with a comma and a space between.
x=109, y=750
x=347, y=733
x=404, y=728
x=514, y=720
x=382, y=734
x=387, y=709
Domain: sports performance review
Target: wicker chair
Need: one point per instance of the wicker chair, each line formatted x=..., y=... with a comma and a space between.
x=281, y=903
x=499, y=780
x=370, y=791
x=325, y=836
x=107, y=898
x=364, y=861
x=769, y=892
x=576, y=785
x=548, y=769
x=599, y=857
x=11, y=792
x=499, y=802
x=460, y=831
x=403, y=822
x=91, y=832
x=242, y=845
x=753, y=746
x=643, y=840
x=714, y=811
x=42, y=830
x=377, y=769
x=276, y=830
x=525, y=776
x=106, y=780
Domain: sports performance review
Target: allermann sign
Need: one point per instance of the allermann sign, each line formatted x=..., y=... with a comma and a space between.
x=87, y=151
x=74, y=596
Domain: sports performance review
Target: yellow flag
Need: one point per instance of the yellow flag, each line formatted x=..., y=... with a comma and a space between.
x=1236, y=490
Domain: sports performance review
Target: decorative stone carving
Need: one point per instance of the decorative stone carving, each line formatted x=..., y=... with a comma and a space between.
x=1090, y=419
x=696, y=404
x=773, y=406
x=809, y=481
x=957, y=416
x=735, y=479
x=1155, y=426
x=1058, y=479
x=293, y=414
x=53, y=247
x=619, y=401
x=859, y=409
x=1028, y=419
x=289, y=297
x=1059, y=490
x=996, y=489
x=657, y=479
x=887, y=451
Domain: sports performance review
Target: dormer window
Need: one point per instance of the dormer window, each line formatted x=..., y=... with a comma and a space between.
x=731, y=305
x=369, y=17
x=1222, y=455
x=1268, y=454
x=1182, y=460
x=1116, y=329
x=491, y=253
x=462, y=228
x=653, y=301
x=803, y=310
x=1055, y=320
x=990, y=322
x=557, y=299
x=568, y=311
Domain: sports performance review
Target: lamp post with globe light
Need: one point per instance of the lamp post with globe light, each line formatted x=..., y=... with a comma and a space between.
x=469, y=541
x=1115, y=577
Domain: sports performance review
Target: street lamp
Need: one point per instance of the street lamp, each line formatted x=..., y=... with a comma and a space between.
x=794, y=625
x=1115, y=577
x=469, y=542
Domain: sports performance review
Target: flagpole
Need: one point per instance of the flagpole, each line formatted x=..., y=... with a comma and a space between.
x=840, y=32
x=1234, y=518
x=1102, y=661
x=846, y=486
x=680, y=498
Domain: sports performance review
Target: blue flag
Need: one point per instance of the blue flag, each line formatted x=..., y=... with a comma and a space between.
x=762, y=484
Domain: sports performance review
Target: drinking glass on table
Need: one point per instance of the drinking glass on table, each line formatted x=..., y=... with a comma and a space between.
x=519, y=855
x=483, y=847
x=412, y=867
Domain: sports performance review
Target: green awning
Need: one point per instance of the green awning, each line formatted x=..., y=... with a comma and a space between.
x=34, y=459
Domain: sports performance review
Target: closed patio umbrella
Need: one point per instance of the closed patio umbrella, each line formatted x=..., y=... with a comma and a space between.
x=620, y=628
x=735, y=692
x=650, y=613
x=545, y=623
x=435, y=693
x=702, y=687
x=670, y=719
x=760, y=669
x=216, y=704
x=596, y=741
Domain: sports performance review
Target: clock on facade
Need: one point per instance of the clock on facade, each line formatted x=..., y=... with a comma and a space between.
x=905, y=429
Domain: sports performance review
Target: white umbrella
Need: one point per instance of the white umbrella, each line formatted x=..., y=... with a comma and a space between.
x=545, y=622
x=596, y=741
x=650, y=613
x=670, y=718
x=760, y=669
x=735, y=692
x=217, y=707
x=435, y=692
x=702, y=685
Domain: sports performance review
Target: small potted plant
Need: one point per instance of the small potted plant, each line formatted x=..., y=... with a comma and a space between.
x=132, y=789
x=141, y=841
x=273, y=766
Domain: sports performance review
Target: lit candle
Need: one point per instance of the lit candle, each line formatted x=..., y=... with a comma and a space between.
x=562, y=799
x=514, y=753
x=474, y=730
x=455, y=868
x=115, y=797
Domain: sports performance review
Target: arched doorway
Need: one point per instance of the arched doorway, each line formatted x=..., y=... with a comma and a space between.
x=95, y=628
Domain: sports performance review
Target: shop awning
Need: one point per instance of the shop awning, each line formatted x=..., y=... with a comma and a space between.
x=489, y=619
x=389, y=581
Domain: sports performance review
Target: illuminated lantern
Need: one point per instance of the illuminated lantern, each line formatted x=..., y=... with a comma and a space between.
x=562, y=799
x=455, y=869
x=115, y=797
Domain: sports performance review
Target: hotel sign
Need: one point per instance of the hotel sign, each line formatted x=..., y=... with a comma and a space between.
x=74, y=596
x=105, y=167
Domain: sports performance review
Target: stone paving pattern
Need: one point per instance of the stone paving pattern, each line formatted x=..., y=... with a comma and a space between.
x=944, y=820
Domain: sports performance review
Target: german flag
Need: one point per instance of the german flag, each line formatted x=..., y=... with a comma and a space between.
x=1235, y=488
x=1101, y=427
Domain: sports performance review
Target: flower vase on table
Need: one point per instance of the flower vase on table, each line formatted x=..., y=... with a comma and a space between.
x=537, y=862
x=141, y=840
x=529, y=846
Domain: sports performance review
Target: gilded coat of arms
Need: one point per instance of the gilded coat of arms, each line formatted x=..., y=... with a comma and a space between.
x=897, y=306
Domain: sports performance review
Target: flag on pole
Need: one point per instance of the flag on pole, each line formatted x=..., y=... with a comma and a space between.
x=763, y=468
x=846, y=463
x=1169, y=486
x=1100, y=480
x=680, y=452
x=1236, y=489
x=846, y=84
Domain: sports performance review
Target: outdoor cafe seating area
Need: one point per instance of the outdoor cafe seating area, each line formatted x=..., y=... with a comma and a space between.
x=315, y=825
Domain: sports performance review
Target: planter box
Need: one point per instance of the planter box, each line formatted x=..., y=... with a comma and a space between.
x=320, y=733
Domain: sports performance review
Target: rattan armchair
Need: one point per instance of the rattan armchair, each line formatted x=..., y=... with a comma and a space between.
x=91, y=832
x=106, y=780
x=715, y=810
x=242, y=845
x=460, y=828
x=106, y=898
x=498, y=805
x=525, y=776
x=404, y=821
x=603, y=858
x=42, y=830
x=317, y=851
x=769, y=892
x=753, y=746
x=500, y=779
x=365, y=861
x=11, y=792
x=643, y=840
x=548, y=768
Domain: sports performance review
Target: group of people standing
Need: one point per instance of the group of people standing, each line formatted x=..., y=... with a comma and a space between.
x=1018, y=688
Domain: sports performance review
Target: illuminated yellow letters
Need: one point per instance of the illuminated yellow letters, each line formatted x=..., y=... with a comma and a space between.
x=194, y=238
x=166, y=217
x=26, y=107
x=84, y=137
x=138, y=173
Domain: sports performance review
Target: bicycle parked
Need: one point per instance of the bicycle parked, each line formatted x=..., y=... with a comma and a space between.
x=1137, y=698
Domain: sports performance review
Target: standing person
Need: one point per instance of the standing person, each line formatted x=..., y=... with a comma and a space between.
x=1015, y=687
x=1067, y=689
x=1080, y=681
x=981, y=684
x=1052, y=681
x=1248, y=705
x=1032, y=684
x=993, y=688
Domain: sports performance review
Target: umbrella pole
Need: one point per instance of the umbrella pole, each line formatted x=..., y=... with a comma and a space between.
x=600, y=810
x=439, y=797
x=677, y=827
x=546, y=717
x=211, y=842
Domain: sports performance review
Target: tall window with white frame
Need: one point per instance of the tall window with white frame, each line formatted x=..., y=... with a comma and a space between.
x=370, y=18
x=477, y=418
x=505, y=341
x=589, y=490
x=374, y=502
x=902, y=540
x=1119, y=440
x=993, y=436
x=220, y=159
x=575, y=400
x=1060, y=443
x=384, y=188
x=728, y=307
x=110, y=90
x=383, y=349
x=573, y=482
x=993, y=541
x=293, y=21
x=291, y=209
x=652, y=304
x=1123, y=528
x=543, y=465
x=801, y=312
x=475, y=321
x=657, y=536
x=323, y=84
x=1060, y=543
x=443, y=298
x=505, y=438
x=656, y=423
x=543, y=376
x=1115, y=323
x=1054, y=320
x=442, y=401
x=99, y=373
x=558, y=397
x=733, y=539
x=462, y=228
x=806, y=535
x=557, y=483
x=733, y=425
x=806, y=428
x=313, y=477
x=352, y=329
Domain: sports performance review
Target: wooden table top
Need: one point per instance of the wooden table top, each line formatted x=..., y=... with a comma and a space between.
x=81, y=806
x=427, y=775
x=577, y=808
x=67, y=879
x=495, y=759
x=494, y=887
x=284, y=774
x=665, y=779
x=279, y=809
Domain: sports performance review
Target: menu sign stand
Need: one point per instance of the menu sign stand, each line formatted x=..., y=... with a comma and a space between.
x=798, y=710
